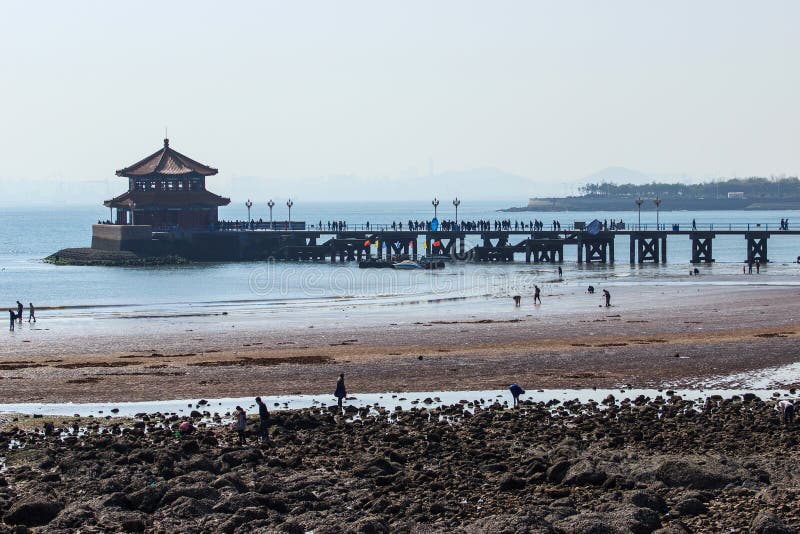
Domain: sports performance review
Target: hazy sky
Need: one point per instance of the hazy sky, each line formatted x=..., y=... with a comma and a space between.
x=292, y=91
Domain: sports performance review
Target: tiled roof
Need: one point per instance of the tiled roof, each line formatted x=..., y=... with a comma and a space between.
x=167, y=199
x=166, y=162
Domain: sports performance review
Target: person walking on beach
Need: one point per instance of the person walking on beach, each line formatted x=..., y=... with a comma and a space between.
x=749, y=267
x=537, y=299
x=516, y=391
x=758, y=267
x=31, y=312
x=607, y=296
x=13, y=316
x=263, y=419
x=340, y=392
x=786, y=409
x=560, y=272
x=19, y=311
x=241, y=424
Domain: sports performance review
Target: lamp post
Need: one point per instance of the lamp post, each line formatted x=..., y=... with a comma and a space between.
x=289, y=204
x=639, y=202
x=270, y=204
x=456, y=203
x=435, y=203
x=249, y=205
x=657, y=202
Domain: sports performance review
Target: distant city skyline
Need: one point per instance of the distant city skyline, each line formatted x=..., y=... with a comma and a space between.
x=316, y=99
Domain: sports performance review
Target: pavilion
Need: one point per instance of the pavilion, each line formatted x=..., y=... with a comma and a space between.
x=166, y=190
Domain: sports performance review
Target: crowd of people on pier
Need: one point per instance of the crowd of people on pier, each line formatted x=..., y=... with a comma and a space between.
x=15, y=315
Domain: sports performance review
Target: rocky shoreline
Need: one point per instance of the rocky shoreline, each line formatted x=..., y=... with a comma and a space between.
x=643, y=465
x=110, y=258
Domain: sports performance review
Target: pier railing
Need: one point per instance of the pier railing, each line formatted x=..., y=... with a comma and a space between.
x=233, y=226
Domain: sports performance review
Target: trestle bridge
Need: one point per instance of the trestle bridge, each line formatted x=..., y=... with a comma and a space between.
x=547, y=246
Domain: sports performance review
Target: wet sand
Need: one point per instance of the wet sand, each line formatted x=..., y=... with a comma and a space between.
x=653, y=336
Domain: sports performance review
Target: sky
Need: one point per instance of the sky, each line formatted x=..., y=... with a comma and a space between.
x=323, y=100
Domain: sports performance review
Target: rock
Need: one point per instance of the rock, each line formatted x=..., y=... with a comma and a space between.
x=188, y=507
x=624, y=519
x=198, y=491
x=370, y=525
x=190, y=447
x=506, y=523
x=511, y=483
x=584, y=473
x=648, y=499
x=557, y=472
x=769, y=523
x=691, y=506
x=33, y=512
x=688, y=474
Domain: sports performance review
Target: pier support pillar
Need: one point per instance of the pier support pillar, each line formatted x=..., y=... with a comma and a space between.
x=648, y=247
x=757, y=247
x=701, y=247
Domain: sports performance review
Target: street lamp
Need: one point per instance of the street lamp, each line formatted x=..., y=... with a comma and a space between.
x=435, y=203
x=456, y=203
x=639, y=203
x=289, y=204
x=249, y=205
x=270, y=204
x=657, y=202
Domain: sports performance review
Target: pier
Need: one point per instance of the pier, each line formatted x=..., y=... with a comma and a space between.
x=298, y=242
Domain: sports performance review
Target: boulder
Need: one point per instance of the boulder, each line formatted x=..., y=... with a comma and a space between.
x=688, y=474
x=769, y=523
x=33, y=512
x=691, y=506
x=584, y=473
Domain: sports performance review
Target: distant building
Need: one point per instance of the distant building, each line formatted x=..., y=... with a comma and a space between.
x=166, y=189
x=736, y=194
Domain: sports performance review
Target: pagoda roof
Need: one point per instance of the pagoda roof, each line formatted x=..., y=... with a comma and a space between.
x=162, y=199
x=166, y=162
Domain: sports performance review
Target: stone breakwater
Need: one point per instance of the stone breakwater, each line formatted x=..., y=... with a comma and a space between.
x=642, y=465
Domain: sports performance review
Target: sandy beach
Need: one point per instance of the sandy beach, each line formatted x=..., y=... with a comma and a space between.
x=653, y=336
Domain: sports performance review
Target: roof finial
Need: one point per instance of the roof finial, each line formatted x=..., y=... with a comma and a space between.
x=166, y=137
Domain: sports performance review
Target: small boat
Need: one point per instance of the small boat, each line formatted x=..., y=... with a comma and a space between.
x=407, y=265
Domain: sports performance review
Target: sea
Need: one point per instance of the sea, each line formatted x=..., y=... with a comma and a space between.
x=281, y=290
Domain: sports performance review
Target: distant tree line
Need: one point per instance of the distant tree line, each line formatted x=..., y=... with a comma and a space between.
x=753, y=187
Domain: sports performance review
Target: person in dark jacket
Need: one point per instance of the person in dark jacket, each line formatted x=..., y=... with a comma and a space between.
x=263, y=419
x=340, y=392
x=13, y=316
x=19, y=311
x=516, y=391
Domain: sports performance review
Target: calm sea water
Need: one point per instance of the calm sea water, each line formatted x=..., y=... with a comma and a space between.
x=27, y=235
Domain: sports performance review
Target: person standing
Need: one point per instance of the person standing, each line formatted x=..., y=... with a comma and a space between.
x=241, y=424
x=786, y=409
x=31, y=312
x=537, y=299
x=607, y=297
x=560, y=272
x=341, y=391
x=263, y=419
x=516, y=391
x=13, y=316
x=19, y=311
x=758, y=267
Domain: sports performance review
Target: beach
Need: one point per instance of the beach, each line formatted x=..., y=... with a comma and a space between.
x=696, y=335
